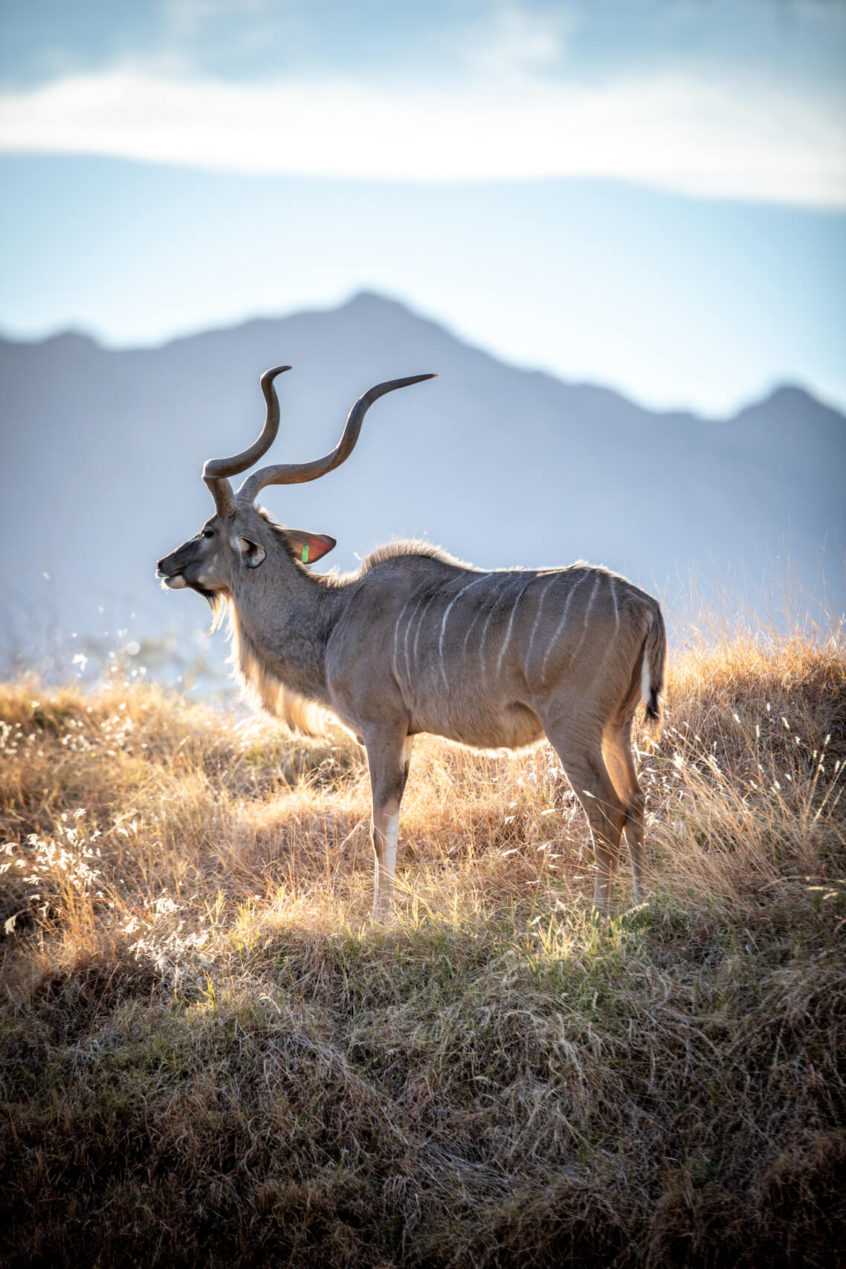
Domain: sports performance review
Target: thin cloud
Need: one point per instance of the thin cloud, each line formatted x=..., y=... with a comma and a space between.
x=675, y=133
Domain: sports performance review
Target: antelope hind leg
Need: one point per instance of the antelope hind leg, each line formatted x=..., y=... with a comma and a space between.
x=585, y=768
x=618, y=754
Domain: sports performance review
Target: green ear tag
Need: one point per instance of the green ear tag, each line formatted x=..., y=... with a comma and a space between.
x=304, y=556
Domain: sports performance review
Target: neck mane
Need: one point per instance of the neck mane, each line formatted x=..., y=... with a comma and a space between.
x=263, y=687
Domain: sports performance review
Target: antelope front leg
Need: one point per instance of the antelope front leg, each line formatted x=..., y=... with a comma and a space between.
x=388, y=756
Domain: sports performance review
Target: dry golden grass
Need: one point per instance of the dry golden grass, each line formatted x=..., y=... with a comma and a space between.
x=210, y=1054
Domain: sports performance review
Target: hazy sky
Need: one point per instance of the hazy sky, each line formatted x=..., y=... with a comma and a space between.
x=649, y=193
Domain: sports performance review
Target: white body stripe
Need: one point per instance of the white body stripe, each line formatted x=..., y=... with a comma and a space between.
x=449, y=609
x=397, y=628
x=405, y=641
x=485, y=634
x=614, y=601
x=416, y=643
x=586, y=621
x=476, y=616
x=560, y=627
x=610, y=644
x=536, y=622
x=508, y=630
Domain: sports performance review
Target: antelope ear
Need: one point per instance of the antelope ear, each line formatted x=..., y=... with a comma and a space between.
x=252, y=553
x=309, y=547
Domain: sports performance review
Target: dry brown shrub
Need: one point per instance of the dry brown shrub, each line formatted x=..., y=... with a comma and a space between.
x=210, y=1054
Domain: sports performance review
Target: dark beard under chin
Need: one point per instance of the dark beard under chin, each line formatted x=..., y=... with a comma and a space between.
x=208, y=595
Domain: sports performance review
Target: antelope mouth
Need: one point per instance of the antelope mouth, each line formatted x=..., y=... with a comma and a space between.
x=178, y=581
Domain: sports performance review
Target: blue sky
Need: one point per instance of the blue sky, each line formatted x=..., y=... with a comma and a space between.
x=650, y=195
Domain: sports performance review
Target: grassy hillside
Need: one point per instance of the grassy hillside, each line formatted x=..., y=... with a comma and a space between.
x=210, y=1054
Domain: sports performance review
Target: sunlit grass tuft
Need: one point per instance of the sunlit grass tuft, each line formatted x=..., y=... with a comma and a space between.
x=211, y=1054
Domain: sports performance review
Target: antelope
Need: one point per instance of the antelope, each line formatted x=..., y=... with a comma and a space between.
x=416, y=641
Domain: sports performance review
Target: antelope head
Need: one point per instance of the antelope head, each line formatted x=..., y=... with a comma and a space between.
x=238, y=538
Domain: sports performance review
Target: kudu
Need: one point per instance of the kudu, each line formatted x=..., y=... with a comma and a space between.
x=416, y=642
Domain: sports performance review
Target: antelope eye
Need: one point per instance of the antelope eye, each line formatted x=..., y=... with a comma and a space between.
x=208, y=533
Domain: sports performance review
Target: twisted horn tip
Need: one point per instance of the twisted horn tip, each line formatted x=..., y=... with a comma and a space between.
x=405, y=383
x=270, y=375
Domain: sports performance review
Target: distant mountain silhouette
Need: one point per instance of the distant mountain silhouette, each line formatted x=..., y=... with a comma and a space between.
x=102, y=452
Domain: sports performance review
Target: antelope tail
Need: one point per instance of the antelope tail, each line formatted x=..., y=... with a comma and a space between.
x=652, y=672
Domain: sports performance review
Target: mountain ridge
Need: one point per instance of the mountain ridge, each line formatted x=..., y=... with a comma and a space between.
x=103, y=448
x=263, y=322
